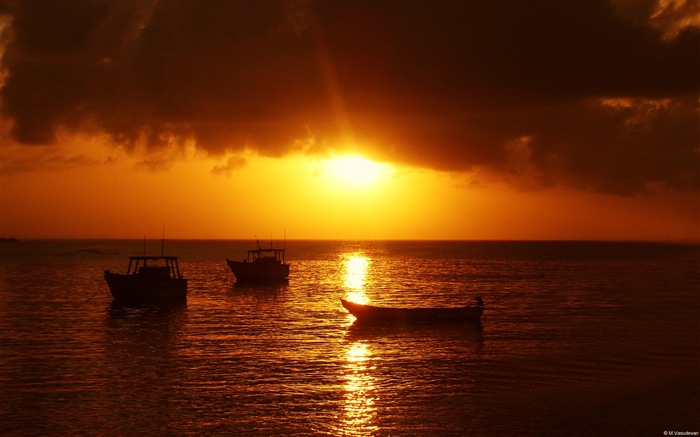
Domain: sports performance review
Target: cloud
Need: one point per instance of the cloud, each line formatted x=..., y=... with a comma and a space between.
x=232, y=163
x=40, y=159
x=445, y=85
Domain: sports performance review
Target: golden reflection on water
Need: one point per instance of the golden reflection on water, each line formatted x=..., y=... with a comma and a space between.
x=360, y=410
x=356, y=268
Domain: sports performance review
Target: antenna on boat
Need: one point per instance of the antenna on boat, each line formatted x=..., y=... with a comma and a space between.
x=144, y=245
x=162, y=243
x=285, y=239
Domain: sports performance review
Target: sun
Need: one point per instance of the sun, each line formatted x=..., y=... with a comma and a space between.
x=355, y=171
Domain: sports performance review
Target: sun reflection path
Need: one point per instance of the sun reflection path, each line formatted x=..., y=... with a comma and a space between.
x=356, y=268
x=360, y=410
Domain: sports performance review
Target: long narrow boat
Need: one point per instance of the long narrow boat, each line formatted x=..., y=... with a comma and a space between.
x=148, y=278
x=381, y=314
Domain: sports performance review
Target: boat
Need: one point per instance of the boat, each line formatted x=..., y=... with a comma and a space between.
x=260, y=265
x=148, y=278
x=370, y=313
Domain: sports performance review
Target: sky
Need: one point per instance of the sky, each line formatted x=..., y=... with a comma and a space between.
x=382, y=119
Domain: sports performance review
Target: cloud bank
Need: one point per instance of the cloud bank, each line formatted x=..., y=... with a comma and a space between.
x=589, y=94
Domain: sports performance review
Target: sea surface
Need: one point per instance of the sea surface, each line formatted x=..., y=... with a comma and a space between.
x=577, y=339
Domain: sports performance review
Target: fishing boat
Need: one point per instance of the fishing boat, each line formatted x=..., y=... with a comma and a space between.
x=260, y=265
x=371, y=313
x=148, y=278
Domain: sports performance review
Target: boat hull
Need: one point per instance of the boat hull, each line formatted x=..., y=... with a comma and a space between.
x=371, y=313
x=258, y=271
x=138, y=288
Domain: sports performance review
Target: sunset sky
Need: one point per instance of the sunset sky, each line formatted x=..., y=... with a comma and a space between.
x=382, y=119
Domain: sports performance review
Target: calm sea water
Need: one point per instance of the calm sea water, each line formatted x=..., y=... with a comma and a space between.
x=577, y=339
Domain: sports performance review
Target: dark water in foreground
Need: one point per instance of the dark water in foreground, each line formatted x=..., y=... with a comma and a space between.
x=577, y=339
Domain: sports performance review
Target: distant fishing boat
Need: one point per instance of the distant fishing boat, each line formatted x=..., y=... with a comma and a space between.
x=148, y=278
x=388, y=314
x=260, y=265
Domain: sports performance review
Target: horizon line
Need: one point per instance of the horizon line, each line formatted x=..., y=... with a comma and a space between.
x=369, y=240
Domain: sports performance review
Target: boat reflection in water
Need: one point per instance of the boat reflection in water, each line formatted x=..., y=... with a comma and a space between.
x=261, y=286
x=360, y=410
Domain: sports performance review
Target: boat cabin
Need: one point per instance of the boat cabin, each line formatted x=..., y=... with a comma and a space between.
x=161, y=267
x=265, y=255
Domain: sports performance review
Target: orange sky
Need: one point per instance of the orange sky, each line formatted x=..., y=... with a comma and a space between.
x=452, y=120
x=311, y=198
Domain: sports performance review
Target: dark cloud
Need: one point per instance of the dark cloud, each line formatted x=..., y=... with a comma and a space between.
x=511, y=86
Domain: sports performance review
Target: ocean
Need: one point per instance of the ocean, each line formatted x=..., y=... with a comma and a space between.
x=577, y=339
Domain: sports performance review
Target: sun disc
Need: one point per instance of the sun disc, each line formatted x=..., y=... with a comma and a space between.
x=355, y=170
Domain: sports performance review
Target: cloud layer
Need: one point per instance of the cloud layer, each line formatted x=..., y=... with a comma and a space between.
x=588, y=94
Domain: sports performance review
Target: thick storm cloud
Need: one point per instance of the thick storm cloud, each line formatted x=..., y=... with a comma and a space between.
x=591, y=94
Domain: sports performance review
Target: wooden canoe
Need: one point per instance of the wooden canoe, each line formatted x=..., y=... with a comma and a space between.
x=389, y=314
